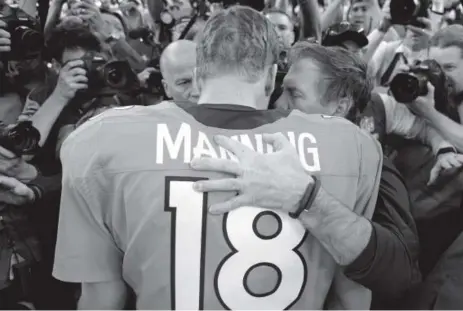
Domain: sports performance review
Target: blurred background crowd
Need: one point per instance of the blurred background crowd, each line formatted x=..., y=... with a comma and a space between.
x=65, y=61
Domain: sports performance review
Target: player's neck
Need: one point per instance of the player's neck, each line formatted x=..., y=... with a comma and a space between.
x=226, y=90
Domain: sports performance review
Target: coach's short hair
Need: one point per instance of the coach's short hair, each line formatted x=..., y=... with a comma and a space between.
x=344, y=73
x=450, y=36
x=238, y=40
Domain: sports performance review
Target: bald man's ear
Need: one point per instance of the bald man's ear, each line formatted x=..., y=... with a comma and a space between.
x=166, y=88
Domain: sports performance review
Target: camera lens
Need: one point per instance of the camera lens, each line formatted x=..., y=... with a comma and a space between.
x=115, y=77
x=405, y=87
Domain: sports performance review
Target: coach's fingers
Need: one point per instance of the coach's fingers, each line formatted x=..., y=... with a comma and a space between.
x=230, y=184
x=235, y=147
x=216, y=165
x=277, y=140
x=230, y=205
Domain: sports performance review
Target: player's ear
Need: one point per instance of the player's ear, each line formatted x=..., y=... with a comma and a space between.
x=196, y=80
x=342, y=107
x=270, y=80
x=166, y=88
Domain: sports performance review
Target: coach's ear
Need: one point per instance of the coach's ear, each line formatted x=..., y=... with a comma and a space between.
x=342, y=107
x=270, y=80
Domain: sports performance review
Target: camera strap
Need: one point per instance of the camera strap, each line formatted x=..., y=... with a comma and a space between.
x=388, y=73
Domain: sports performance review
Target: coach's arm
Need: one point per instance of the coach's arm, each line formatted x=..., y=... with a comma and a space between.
x=389, y=263
x=378, y=254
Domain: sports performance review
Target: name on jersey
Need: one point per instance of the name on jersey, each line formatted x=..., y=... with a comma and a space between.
x=183, y=145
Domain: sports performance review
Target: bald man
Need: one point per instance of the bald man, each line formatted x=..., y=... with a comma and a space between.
x=178, y=61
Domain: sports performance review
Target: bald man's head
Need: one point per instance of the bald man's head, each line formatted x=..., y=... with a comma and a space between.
x=178, y=61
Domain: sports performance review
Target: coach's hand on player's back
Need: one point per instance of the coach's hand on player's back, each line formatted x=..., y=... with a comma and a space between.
x=275, y=181
x=72, y=77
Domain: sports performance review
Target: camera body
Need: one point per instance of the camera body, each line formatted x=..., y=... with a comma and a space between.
x=109, y=78
x=21, y=139
x=26, y=38
x=405, y=12
x=406, y=87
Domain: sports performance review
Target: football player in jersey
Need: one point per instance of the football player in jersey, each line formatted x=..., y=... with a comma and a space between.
x=130, y=216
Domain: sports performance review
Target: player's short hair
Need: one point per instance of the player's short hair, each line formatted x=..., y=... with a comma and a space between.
x=345, y=74
x=450, y=36
x=238, y=40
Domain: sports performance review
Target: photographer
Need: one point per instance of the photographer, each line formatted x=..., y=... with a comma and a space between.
x=446, y=49
x=88, y=12
x=437, y=206
x=386, y=57
x=20, y=61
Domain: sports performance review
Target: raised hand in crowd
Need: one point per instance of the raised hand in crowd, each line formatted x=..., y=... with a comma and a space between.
x=427, y=30
x=72, y=78
x=5, y=42
x=89, y=12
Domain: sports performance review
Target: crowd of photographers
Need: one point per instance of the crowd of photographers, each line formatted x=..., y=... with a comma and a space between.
x=66, y=61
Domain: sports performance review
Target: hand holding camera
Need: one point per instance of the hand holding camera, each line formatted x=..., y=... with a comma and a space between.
x=14, y=192
x=20, y=35
x=424, y=104
x=5, y=42
x=72, y=78
x=145, y=75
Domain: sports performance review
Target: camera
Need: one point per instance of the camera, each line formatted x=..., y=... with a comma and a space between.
x=21, y=139
x=405, y=12
x=26, y=38
x=406, y=87
x=154, y=84
x=109, y=78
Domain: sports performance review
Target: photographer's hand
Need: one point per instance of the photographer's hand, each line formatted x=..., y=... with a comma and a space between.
x=5, y=42
x=423, y=106
x=72, y=78
x=14, y=192
x=445, y=162
x=427, y=31
x=144, y=75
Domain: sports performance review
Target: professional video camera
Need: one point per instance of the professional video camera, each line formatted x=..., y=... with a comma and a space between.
x=109, y=78
x=21, y=139
x=405, y=12
x=406, y=87
x=26, y=39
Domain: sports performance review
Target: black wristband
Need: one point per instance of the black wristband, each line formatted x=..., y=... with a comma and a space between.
x=445, y=150
x=37, y=192
x=308, y=198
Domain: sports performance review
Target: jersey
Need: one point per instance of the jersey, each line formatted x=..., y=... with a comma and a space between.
x=129, y=211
